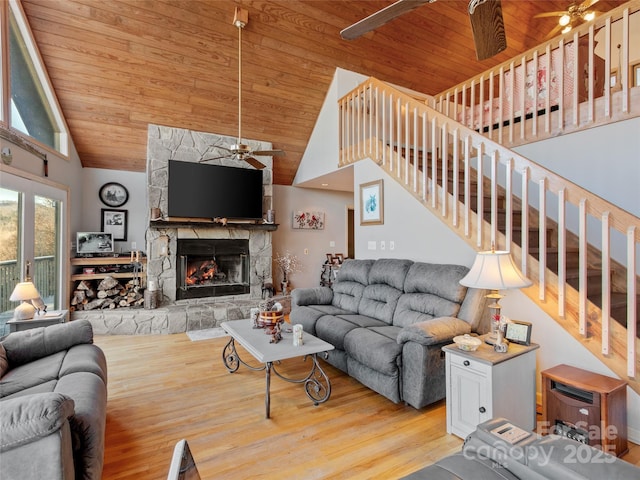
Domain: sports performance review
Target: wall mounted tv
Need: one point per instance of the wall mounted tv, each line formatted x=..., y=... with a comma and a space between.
x=198, y=190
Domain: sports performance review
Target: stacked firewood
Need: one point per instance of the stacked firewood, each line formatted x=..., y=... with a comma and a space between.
x=108, y=294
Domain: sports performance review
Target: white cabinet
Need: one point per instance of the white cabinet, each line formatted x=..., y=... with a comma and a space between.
x=485, y=384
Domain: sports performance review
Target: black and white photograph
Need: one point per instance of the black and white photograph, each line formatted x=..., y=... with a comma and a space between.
x=89, y=243
x=113, y=194
x=115, y=222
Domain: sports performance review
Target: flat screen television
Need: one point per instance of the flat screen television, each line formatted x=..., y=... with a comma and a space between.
x=198, y=190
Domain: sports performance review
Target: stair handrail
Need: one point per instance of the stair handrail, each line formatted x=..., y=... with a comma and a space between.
x=374, y=118
x=493, y=92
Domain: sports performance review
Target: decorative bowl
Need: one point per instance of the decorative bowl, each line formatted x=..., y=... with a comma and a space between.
x=467, y=343
x=269, y=320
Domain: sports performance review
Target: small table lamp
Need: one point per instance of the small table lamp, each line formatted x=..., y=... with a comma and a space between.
x=495, y=271
x=24, y=292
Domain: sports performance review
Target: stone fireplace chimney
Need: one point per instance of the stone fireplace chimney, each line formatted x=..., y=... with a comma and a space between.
x=167, y=143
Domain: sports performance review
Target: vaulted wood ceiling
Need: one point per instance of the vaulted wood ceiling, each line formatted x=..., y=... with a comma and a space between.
x=118, y=65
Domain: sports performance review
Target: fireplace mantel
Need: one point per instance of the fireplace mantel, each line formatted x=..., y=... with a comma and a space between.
x=269, y=227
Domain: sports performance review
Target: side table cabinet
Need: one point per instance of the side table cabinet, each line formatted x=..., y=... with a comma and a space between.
x=485, y=384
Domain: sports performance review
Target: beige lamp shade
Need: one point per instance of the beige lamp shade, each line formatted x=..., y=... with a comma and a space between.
x=495, y=271
x=24, y=292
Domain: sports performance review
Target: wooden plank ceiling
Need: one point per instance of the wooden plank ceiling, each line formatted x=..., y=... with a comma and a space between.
x=118, y=65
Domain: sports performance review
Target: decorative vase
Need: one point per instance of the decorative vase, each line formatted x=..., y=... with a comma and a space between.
x=284, y=286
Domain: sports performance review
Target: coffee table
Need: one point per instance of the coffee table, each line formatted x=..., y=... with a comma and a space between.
x=316, y=383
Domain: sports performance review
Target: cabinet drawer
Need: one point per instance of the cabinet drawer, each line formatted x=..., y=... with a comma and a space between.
x=469, y=364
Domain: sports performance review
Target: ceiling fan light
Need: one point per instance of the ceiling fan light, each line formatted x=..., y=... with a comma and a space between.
x=564, y=20
x=566, y=29
x=589, y=16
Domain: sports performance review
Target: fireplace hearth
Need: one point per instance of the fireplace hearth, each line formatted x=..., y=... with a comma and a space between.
x=212, y=268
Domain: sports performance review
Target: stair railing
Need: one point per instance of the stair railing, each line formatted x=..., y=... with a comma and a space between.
x=437, y=160
x=575, y=81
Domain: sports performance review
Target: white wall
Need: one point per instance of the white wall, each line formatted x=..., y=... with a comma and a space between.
x=286, y=200
x=136, y=206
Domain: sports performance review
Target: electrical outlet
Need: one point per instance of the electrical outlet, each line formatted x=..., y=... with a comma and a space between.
x=392, y=245
x=332, y=243
x=133, y=245
x=383, y=245
x=306, y=251
x=372, y=245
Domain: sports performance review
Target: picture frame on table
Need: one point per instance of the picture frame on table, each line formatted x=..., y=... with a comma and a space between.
x=517, y=331
x=113, y=194
x=115, y=222
x=372, y=203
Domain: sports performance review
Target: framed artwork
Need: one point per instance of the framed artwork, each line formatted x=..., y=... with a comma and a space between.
x=372, y=203
x=308, y=220
x=115, y=223
x=113, y=194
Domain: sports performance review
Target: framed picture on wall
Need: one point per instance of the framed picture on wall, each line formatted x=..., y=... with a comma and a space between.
x=113, y=194
x=115, y=222
x=372, y=203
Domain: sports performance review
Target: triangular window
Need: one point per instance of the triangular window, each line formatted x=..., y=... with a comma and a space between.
x=34, y=109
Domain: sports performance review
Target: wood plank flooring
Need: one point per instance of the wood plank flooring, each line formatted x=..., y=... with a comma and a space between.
x=164, y=388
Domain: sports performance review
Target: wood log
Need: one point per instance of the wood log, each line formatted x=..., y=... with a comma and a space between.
x=123, y=303
x=84, y=285
x=109, y=293
x=93, y=304
x=107, y=283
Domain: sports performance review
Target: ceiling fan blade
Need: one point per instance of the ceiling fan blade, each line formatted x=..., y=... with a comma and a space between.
x=587, y=3
x=215, y=158
x=488, y=27
x=253, y=162
x=554, y=32
x=269, y=153
x=381, y=17
x=550, y=14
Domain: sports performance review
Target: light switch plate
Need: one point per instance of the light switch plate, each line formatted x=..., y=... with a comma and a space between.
x=372, y=245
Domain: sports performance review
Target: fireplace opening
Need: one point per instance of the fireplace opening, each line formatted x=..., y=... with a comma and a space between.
x=212, y=267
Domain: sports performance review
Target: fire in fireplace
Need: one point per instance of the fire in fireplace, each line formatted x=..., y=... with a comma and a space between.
x=212, y=267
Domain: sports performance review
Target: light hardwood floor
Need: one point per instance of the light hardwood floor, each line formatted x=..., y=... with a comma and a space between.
x=164, y=388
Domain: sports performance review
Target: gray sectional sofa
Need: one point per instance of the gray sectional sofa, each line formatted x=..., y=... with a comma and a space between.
x=485, y=456
x=388, y=320
x=53, y=404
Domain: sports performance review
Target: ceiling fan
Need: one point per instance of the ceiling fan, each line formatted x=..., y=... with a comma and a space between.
x=485, y=15
x=239, y=150
x=574, y=14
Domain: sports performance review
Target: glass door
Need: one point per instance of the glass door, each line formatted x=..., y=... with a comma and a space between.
x=31, y=239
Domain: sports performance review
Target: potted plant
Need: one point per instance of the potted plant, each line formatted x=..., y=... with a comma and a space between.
x=288, y=264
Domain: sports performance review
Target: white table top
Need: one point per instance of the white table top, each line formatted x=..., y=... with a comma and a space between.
x=42, y=317
x=256, y=342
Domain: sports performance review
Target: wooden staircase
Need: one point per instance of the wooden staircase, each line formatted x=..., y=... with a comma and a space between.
x=617, y=271
x=515, y=198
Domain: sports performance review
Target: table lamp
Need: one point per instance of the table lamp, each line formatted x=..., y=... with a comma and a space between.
x=24, y=293
x=495, y=271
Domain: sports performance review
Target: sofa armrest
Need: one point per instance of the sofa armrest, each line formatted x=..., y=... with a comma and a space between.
x=29, y=345
x=311, y=296
x=26, y=419
x=433, y=331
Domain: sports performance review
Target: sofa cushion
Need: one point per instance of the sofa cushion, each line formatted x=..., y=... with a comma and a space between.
x=432, y=290
x=29, y=345
x=433, y=331
x=333, y=329
x=389, y=271
x=85, y=358
x=380, y=296
x=4, y=363
x=349, y=285
x=376, y=348
x=31, y=374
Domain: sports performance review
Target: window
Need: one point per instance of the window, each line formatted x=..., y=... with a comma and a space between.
x=33, y=108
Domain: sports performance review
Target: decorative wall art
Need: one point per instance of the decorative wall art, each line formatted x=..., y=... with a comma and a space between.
x=113, y=194
x=115, y=222
x=308, y=220
x=371, y=203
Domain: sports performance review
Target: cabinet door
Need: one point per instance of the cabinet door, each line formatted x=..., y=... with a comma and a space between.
x=470, y=399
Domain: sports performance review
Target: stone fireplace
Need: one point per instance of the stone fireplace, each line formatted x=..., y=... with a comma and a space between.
x=226, y=289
